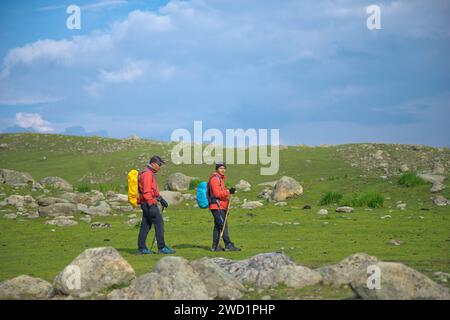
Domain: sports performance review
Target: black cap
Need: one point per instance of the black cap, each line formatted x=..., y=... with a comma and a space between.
x=220, y=164
x=157, y=160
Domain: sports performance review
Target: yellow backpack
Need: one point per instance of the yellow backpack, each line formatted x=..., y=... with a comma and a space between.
x=133, y=187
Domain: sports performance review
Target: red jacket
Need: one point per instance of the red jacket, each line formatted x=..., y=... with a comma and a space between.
x=148, y=187
x=218, y=190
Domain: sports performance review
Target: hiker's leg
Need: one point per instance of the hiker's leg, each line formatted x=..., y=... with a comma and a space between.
x=145, y=227
x=158, y=221
x=217, y=228
x=225, y=237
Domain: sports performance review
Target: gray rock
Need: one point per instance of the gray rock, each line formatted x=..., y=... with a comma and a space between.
x=432, y=178
x=219, y=283
x=172, y=197
x=258, y=270
x=117, y=197
x=281, y=204
x=437, y=186
x=243, y=185
x=440, y=201
x=344, y=209
x=86, y=219
x=401, y=206
x=178, y=182
x=56, y=182
x=266, y=194
x=98, y=269
x=345, y=271
x=47, y=201
x=286, y=188
x=10, y=216
x=251, y=204
x=404, y=168
x=398, y=282
x=58, y=209
x=20, y=201
x=25, y=288
x=102, y=209
x=132, y=222
x=16, y=178
x=322, y=212
x=62, y=221
x=173, y=278
x=438, y=168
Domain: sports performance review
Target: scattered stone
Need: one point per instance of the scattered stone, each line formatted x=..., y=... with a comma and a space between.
x=437, y=186
x=117, y=197
x=61, y=221
x=395, y=242
x=404, y=168
x=56, y=182
x=102, y=209
x=281, y=204
x=251, y=204
x=86, y=219
x=98, y=268
x=132, y=222
x=386, y=216
x=47, y=201
x=266, y=194
x=306, y=207
x=438, y=168
x=243, y=185
x=10, y=216
x=25, y=288
x=440, y=201
x=322, y=212
x=100, y=225
x=432, y=178
x=344, y=209
x=401, y=206
x=286, y=188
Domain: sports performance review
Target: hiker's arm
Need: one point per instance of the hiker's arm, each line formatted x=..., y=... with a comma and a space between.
x=155, y=188
x=218, y=192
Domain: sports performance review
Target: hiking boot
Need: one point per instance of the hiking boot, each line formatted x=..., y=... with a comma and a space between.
x=215, y=248
x=231, y=247
x=144, y=251
x=166, y=250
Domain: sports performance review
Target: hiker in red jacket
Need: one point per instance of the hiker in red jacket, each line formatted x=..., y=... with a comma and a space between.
x=149, y=197
x=219, y=202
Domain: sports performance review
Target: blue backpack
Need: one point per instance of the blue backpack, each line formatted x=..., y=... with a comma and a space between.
x=204, y=196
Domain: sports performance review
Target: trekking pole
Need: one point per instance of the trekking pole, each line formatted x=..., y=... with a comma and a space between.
x=225, y=222
x=154, y=237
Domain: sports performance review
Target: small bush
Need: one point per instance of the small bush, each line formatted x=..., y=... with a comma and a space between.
x=83, y=188
x=330, y=198
x=194, y=184
x=367, y=199
x=410, y=179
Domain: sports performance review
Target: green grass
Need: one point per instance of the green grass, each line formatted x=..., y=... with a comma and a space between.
x=194, y=184
x=330, y=198
x=31, y=247
x=410, y=179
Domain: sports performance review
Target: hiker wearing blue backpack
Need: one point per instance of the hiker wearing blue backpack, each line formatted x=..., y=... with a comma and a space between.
x=218, y=204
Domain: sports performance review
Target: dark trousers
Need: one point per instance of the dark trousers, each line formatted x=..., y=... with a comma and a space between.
x=219, y=219
x=151, y=215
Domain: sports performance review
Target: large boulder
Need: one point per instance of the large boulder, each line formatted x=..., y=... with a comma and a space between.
x=93, y=270
x=16, y=178
x=243, y=185
x=398, y=282
x=218, y=282
x=345, y=271
x=117, y=197
x=58, y=209
x=62, y=221
x=20, y=201
x=89, y=199
x=102, y=209
x=259, y=270
x=286, y=188
x=172, y=197
x=173, y=278
x=178, y=182
x=56, y=183
x=25, y=288
x=441, y=201
x=292, y=276
x=432, y=178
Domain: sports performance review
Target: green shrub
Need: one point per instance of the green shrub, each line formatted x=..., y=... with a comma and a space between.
x=194, y=184
x=330, y=198
x=410, y=179
x=83, y=188
x=367, y=199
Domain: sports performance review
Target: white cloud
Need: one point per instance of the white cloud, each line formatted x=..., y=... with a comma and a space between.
x=89, y=6
x=33, y=121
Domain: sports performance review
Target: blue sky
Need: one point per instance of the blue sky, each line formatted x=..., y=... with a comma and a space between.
x=309, y=68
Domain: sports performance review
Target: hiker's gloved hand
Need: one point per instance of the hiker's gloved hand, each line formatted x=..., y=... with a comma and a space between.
x=232, y=190
x=163, y=202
